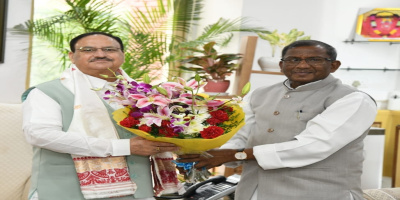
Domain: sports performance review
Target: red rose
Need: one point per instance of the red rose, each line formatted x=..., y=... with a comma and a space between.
x=220, y=114
x=227, y=109
x=213, y=121
x=129, y=122
x=145, y=128
x=165, y=123
x=135, y=121
x=167, y=132
x=211, y=132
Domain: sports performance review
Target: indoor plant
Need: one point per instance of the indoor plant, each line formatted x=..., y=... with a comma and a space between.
x=212, y=67
x=279, y=40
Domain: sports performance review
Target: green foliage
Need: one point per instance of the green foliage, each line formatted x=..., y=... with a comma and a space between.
x=221, y=32
x=281, y=40
x=149, y=44
x=83, y=16
x=211, y=65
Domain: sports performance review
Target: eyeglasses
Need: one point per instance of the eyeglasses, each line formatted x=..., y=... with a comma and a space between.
x=310, y=61
x=91, y=50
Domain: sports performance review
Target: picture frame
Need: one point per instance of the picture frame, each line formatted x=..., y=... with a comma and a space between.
x=379, y=24
x=3, y=28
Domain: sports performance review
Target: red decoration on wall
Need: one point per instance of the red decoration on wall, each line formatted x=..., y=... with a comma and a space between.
x=380, y=23
x=377, y=26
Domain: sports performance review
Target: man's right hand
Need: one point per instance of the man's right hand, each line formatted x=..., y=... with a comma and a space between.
x=217, y=158
x=143, y=147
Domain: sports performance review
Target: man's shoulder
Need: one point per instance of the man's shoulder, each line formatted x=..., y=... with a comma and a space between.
x=340, y=90
x=269, y=87
x=39, y=86
x=55, y=82
x=343, y=90
x=53, y=89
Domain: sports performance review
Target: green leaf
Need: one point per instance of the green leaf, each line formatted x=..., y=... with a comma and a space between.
x=197, y=77
x=246, y=88
x=104, y=75
x=188, y=88
x=162, y=91
x=146, y=79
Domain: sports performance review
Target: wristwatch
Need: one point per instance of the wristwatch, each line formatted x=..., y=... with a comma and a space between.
x=240, y=154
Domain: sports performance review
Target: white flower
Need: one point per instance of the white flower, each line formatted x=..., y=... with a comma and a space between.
x=201, y=109
x=201, y=117
x=237, y=100
x=194, y=128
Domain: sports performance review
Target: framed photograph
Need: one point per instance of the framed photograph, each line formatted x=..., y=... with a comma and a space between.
x=379, y=24
x=3, y=28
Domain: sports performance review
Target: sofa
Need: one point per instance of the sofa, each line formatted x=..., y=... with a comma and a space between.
x=382, y=194
x=15, y=154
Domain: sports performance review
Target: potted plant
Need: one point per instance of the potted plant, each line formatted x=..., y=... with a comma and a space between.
x=279, y=40
x=212, y=67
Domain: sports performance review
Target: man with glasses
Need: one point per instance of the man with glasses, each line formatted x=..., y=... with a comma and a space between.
x=79, y=151
x=303, y=138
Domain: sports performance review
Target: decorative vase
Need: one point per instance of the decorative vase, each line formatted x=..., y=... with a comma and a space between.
x=216, y=86
x=270, y=64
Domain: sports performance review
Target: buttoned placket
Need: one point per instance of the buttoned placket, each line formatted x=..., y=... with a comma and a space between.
x=276, y=113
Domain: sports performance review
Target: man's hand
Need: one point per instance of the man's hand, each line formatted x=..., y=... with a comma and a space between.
x=143, y=147
x=215, y=158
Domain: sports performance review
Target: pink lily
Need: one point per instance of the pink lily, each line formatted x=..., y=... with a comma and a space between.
x=174, y=85
x=214, y=103
x=193, y=84
x=181, y=83
x=156, y=99
x=163, y=113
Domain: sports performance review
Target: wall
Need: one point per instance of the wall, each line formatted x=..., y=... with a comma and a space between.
x=325, y=20
x=333, y=23
x=13, y=70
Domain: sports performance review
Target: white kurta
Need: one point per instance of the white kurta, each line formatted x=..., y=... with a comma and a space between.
x=42, y=125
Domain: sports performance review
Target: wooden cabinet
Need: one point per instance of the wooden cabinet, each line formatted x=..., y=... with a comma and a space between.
x=396, y=159
x=388, y=119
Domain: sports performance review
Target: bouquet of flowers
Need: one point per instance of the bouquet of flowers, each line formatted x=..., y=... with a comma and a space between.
x=175, y=112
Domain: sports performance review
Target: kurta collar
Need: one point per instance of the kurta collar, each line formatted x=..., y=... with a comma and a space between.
x=96, y=82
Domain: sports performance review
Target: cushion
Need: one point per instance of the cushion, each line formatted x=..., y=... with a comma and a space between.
x=15, y=154
x=382, y=194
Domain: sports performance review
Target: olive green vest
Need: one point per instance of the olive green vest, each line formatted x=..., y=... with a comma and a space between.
x=53, y=174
